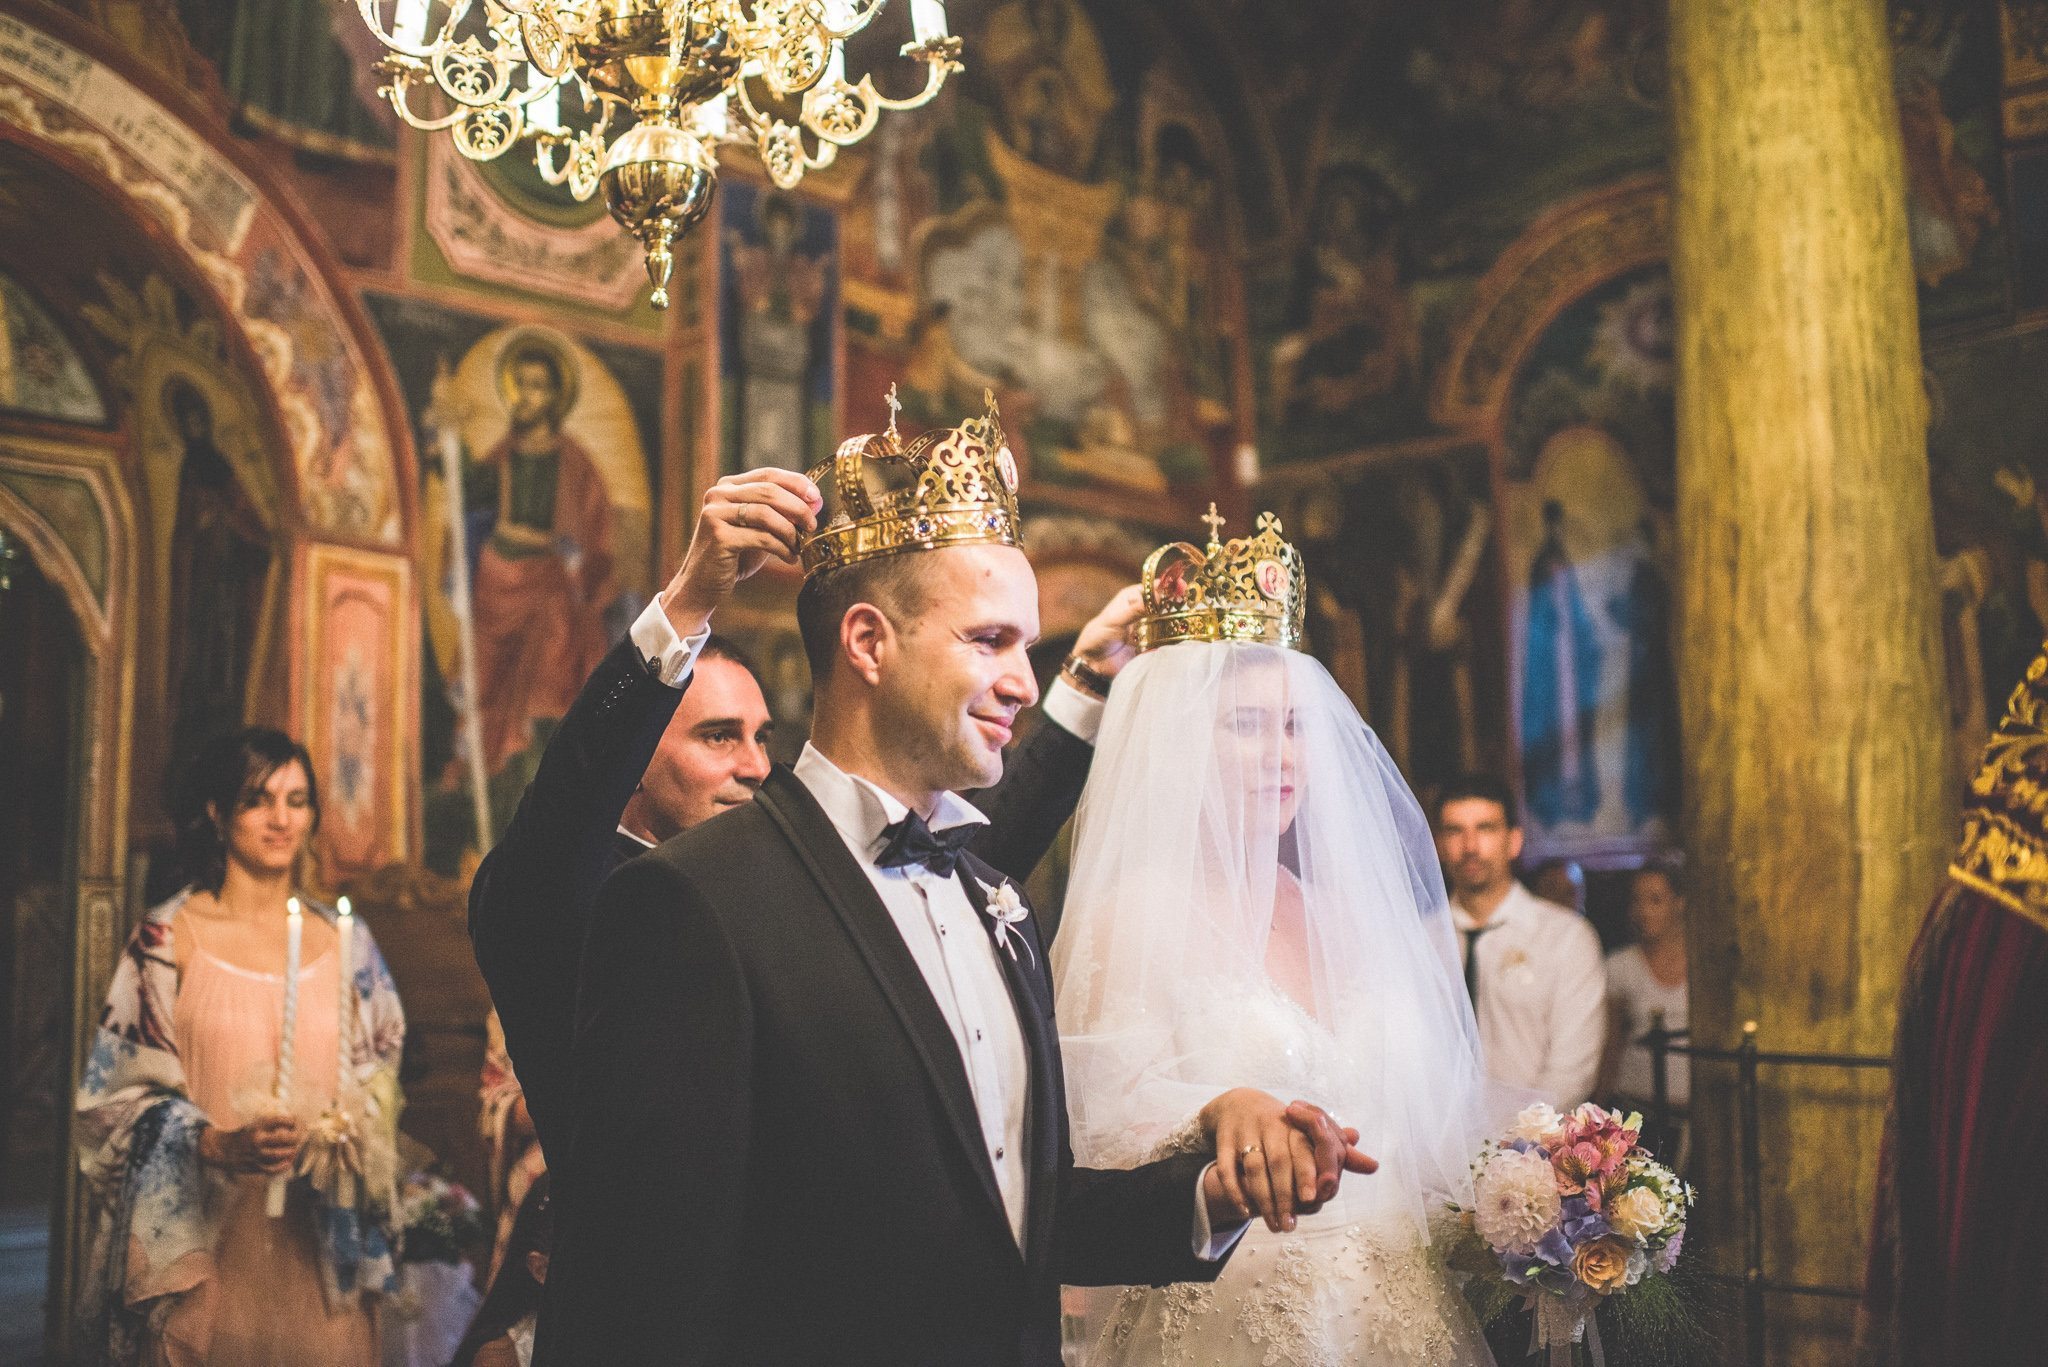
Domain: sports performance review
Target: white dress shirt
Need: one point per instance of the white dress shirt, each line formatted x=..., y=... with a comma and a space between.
x=1542, y=995
x=1638, y=994
x=953, y=951
x=957, y=957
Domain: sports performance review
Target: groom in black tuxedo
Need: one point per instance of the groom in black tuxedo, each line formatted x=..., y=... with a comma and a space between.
x=666, y=732
x=820, y=1116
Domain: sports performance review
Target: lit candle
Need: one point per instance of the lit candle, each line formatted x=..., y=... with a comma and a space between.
x=293, y=921
x=344, y=926
x=927, y=19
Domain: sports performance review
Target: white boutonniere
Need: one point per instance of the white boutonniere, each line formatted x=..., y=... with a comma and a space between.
x=1006, y=912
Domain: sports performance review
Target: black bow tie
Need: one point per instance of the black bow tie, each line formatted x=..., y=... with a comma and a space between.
x=913, y=842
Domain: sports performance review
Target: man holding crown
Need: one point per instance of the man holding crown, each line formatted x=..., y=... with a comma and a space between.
x=820, y=1114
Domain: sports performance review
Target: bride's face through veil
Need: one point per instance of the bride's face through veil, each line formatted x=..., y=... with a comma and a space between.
x=1255, y=739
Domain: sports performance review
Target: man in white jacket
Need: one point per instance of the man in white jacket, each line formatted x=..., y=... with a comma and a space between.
x=1534, y=969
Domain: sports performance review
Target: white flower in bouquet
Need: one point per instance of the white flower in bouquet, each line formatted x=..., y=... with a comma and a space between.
x=1637, y=1213
x=1537, y=1123
x=1515, y=1201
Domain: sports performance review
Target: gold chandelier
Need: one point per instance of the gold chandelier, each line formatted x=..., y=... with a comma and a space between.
x=662, y=84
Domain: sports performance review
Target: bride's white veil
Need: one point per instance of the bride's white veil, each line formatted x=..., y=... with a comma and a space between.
x=1225, y=773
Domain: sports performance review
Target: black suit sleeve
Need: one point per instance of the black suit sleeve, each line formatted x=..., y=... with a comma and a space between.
x=1041, y=786
x=1130, y=1228
x=531, y=898
x=652, y=1198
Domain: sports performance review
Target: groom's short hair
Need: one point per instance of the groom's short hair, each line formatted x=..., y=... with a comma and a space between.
x=890, y=582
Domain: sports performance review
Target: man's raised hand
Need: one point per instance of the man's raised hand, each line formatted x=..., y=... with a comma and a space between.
x=747, y=520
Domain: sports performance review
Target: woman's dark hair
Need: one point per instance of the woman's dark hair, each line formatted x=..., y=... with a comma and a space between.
x=221, y=779
x=1669, y=867
x=514, y=1292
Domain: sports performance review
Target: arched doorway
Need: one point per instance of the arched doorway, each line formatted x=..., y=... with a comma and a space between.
x=203, y=459
x=42, y=672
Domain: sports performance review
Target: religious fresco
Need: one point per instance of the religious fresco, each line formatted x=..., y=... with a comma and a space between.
x=41, y=372
x=1987, y=446
x=1455, y=129
x=1945, y=60
x=214, y=597
x=1059, y=232
x=1587, y=540
x=1461, y=125
x=554, y=440
x=778, y=313
x=2024, y=28
x=498, y=223
x=1404, y=602
x=352, y=713
x=250, y=254
x=299, y=70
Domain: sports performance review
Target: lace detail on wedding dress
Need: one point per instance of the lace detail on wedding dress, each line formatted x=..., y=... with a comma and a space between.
x=1408, y=1302
x=1394, y=1299
x=1181, y=1305
x=1278, y=1314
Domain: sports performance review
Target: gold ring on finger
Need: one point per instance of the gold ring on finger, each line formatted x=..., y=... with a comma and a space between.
x=1248, y=1150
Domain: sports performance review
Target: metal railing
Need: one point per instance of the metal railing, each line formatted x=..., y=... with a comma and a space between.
x=1754, y=1283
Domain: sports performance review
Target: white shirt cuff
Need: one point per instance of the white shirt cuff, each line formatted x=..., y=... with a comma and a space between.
x=669, y=656
x=1074, y=710
x=1213, y=1246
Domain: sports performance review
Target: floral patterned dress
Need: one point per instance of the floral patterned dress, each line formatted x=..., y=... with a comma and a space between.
x=184, y=1265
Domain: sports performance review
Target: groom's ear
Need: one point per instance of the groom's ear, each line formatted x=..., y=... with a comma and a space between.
x=865, y=638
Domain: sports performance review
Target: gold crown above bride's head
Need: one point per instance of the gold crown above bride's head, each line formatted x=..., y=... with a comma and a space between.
x=953, y=486
x=1252, y=588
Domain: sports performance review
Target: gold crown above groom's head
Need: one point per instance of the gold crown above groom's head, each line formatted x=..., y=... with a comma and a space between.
x=952, y=486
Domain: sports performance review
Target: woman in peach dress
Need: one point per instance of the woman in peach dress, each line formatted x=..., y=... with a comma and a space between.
x=188, y=1116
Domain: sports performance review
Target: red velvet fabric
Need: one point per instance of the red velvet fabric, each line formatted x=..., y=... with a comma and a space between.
x=1959, y=1255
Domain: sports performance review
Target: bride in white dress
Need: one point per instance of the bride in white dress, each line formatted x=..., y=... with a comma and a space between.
x=1255, y=900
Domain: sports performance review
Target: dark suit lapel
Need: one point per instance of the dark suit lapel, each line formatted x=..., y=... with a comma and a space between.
x=1030, y=983
x=624, y=847
x=853, y=900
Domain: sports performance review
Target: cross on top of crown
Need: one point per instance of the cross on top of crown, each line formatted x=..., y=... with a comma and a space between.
x=1215, y=521
x=895, y=407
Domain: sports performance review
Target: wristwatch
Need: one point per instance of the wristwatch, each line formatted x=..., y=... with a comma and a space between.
x=1085, y=677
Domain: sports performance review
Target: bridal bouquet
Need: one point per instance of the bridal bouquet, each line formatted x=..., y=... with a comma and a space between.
x=1568, y=1213
x=435, y=1300
x=443, y=1222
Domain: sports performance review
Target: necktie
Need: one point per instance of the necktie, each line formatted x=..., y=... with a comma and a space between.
x=1472, y=962
x=913, y=842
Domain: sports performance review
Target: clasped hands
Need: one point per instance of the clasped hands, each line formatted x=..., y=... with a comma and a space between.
x=1276, y=1161
x=268, y=1144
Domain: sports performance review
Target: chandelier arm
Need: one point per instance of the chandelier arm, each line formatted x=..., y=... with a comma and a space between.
x=458, y=71
x=545, y=145
x=824, y=111
x=936, y=71
x=396, y=91
x=490, y=132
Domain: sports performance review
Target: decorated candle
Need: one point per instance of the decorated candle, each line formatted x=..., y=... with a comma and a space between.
x=928, y=19
x=294, y=927
x=344, y=927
